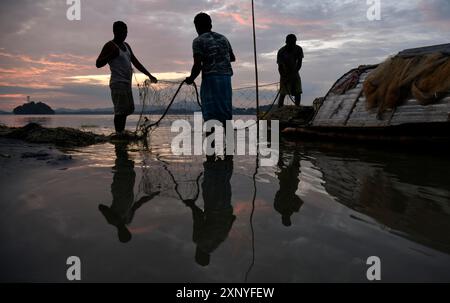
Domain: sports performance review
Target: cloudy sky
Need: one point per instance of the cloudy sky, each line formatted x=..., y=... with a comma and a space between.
x=52, y=59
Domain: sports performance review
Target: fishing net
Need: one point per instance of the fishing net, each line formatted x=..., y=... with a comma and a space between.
x=165, y=101
x=161, y=101
x=425, y=78
x=244, y=98
x=171, y=175
x=175, y=178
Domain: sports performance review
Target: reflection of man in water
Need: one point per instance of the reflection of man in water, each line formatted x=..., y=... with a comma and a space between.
x=212, y=225
x=286, y=200
x=123, y=207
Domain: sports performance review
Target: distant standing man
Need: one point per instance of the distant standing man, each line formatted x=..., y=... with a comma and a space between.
x=289, y=59
x=212, y=56
x=118, y=54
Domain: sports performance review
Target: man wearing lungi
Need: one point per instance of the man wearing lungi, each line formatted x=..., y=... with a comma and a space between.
x=212, y=56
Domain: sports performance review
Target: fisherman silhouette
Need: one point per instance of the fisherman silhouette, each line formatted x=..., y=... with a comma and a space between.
x=123, y=207
x=290, y=60
x=120, y=57
x=212, y=225
x=213, y=56
x=286, y=201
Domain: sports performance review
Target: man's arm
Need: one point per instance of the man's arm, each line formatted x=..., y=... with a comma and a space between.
x=140, y=67
x=196, y=69
x=281, y=67
x=299, y=60
x=232, y=56
x=299, y=64
x=109, y=52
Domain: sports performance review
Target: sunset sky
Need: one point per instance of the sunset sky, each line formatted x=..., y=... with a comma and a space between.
x=52, y=59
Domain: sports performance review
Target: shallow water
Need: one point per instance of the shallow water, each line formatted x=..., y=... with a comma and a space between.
x=315, y=217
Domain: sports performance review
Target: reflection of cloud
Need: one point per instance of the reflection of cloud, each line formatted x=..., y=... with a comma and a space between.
x=242, y=208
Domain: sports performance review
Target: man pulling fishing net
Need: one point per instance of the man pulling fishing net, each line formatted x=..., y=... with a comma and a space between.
x=118, y=54
x=212, y=56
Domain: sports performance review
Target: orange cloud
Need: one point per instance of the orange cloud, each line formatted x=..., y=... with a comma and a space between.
x=45, y=72
x=245, y=21
x=264, y=20
x=12, y=96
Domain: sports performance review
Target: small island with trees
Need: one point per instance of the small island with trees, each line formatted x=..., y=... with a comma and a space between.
x=33, y=108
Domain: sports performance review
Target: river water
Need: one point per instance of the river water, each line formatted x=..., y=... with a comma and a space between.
x=135, y=214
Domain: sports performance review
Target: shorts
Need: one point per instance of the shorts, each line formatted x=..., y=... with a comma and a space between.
x=122, y=98
x=291, y=86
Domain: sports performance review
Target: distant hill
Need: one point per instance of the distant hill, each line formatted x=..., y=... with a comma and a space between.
x=33, y=108
x=177, y=109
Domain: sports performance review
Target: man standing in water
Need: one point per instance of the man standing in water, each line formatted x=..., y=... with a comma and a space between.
x=118, y=54
x=289, y=59
x=212, y=56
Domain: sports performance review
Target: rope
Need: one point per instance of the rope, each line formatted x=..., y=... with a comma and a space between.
x=197, y=95
x=146, y=128
x=248, y=87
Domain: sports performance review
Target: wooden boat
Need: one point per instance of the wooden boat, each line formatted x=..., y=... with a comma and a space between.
x=345, y=117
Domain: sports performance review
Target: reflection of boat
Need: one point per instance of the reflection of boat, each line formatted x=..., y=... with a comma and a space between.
x=413, y=203
x=343, y=114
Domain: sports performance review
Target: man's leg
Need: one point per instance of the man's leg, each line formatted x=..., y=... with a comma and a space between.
x=123, y=105
x=119, y=123
x=213, y=143
x=211, y=158
x=281, y=100
x=298, y=99
x=123, y=122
